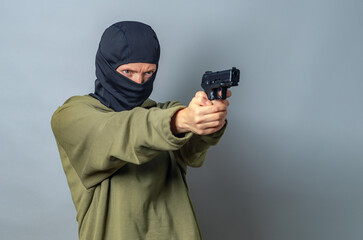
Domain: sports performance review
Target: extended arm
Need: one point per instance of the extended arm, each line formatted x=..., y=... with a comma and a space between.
x=98, y=143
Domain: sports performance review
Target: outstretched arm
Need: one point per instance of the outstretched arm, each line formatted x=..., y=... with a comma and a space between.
x=98, y=142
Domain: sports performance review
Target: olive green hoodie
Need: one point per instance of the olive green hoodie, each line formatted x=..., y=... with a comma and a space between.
x=126, y=170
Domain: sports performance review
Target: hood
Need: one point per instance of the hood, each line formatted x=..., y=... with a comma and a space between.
x=123, y=43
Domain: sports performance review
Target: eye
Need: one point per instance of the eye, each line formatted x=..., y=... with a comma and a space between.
x=149, y=73
x=126, y=71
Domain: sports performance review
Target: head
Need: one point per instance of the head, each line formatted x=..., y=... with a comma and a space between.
x=126, y=65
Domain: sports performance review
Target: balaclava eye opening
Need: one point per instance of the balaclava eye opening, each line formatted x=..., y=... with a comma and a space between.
x=123, y=43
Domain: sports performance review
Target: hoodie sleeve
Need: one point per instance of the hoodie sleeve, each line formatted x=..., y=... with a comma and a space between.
x=194, y=151
x=98, y=142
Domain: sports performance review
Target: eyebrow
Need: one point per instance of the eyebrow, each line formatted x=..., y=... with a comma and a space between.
x=133, y=69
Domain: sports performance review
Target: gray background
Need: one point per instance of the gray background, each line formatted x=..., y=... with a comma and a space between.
x=289, y=166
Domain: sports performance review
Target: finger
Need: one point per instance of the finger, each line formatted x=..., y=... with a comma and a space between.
x=229, y=93
x=205, y=110
x=214, y=117
x=211, y=128
x=221, y=102
x=202, y=99
x=201, y=94
x=205, y=102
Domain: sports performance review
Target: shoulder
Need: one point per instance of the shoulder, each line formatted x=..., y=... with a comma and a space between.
x=78, y=106
x=84, y=103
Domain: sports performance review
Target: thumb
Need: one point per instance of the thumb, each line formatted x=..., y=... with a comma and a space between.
x=201, y=99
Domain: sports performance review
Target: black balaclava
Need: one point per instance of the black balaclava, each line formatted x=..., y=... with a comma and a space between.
x=122, y=43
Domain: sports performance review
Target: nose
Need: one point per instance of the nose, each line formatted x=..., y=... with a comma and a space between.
x=138, y=78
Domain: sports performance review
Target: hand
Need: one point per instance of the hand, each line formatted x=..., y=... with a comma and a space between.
x=202, y=116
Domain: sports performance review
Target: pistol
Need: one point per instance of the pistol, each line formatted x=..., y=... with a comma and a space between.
x=215, y=84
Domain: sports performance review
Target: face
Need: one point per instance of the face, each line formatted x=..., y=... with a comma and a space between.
x=137, y=72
